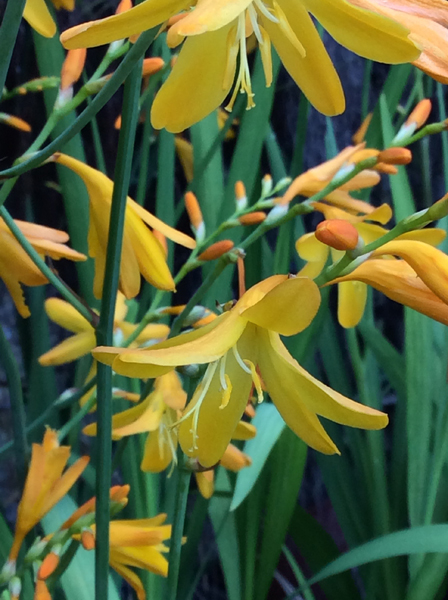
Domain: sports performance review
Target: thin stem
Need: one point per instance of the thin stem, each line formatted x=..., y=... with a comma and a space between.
x=16, y=397
x=8, y=34
x=40, y=263
x=106, y=323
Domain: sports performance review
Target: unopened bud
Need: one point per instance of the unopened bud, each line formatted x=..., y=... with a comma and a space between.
x=195, y=215
x=216, y=250
x=204, y=321
x=15, y=122
x=360, y=134
x=338, y=234
x=235, y=460
x=35, y=551
x=72, y=67
x=87, y=539
x=439, y=209
x=41, y=591
x=277, y=213
x=249, y=411
x=50, y=563
x=123, y=6
x=395, y=156
x=15, y=587
x=386, y=169
x=197, y=313
x=266, y=185
x=152, y=65
x=252, y=218
x=240, y=195
x=8, y=571
x=420, y=114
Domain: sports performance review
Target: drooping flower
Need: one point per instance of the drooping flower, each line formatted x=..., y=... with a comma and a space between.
x=142, y=253
x=84, y=338
x=246, y=337
x=216, y=32
x=45, y=485
x=427, y=22
x=352, y=294
x=17, y=268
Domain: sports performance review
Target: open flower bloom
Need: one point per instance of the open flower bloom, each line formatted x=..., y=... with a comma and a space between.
x=244, y=337
x=352, y=294
x=45, y=485
x=142, y=252
x=217, y=31
x=17, y=268
x=428, y=26
x=84, y=338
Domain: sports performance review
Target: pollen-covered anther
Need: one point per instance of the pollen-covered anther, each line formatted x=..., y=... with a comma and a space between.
x=395, y=156
x=216, y=250
x=338, y=234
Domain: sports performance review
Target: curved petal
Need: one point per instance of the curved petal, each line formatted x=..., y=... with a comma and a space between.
x=69, y=350
x=38, y=16
x=235, y=460
x=287, y=309
x=314, y=73
x=205, y=482
x=399, y=282
x=16, y=291
x=244, y=431
x=316, y=253
x=433, y=236
x=65, y=315
x=191, y=93
x=160, y=451
x=205, y=434
x=430, y=264
x=144, y=16
x=352, y=298
x=142, y=557
x=130, y=577
x=32, y=230
x=57, y=251
x=366, y=33
x=210, y=15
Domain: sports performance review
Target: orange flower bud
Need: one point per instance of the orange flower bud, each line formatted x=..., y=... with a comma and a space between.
x=252, y=218
x=249, y=411
x=41, y=591
x=240, y=195
x=15, y=122
x=173, y=310
x=204, y=321
x=420, y=114
x=193, y=210
x=87, y=539
x=123, y=6
x=216, y=250
x=161, y=239
x=360, y=134
x=338, y=234
x=152, y=65
x=72, y=67
x=395, y=156
x=386, y=169
x=48, y=565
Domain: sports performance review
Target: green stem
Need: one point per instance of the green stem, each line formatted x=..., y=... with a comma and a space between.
x=183, y=484
x=77, y=418
x=40, y=263
x=106, y=323
x=97, y=104
x=8, y=34
x=16, y=398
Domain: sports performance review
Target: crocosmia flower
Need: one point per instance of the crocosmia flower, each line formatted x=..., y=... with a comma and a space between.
x=215, y=34
x=243, y=348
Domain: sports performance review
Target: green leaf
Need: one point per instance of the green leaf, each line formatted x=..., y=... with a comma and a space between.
x=269, y=426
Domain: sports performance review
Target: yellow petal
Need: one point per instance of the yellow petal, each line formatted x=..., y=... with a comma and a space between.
x=430, y=264
x=205, y=483
x=235, y=460
x=244, y=431
x=153, y=331
x=210, y=15
x=171, y=389
x=287, y=309
x=313, y=73
x=144, y=16
x=16, y=291
x=352, y=297
x=130, y=577
x=38, y=16
x=32, y=230
x=141, y=418
x=368, y=34
x=433, y=236
x=69, y=350
x=160, y=451
x=204, y=88
x=65, y=315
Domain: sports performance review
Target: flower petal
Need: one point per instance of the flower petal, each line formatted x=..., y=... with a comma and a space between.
x=287, y=309
x=39, y=17
x=69, y=350
x=65, y=315
x=368, y=34
x=144, y=16
x=191, y=93
x=131, y=578
x=159, y=451
x=210, y=15
x=314, y=73
x=352, y=298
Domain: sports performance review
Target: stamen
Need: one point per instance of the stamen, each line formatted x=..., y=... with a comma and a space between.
x=256, y=380
x=240, y=361
x=226, y=393
x=265, y=11
x=222, y=372
x=254, y=21
x=243, y=82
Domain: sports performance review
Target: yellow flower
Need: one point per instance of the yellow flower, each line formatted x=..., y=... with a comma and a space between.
x=45, y=485
x=352, y=293
x=244, y=337
x=428, y=25
x=17, y=268
x=84, y=340
x=216, y=32
x=39, y=17
x=141, y=253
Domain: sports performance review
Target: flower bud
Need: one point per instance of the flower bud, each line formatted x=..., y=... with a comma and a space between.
x=439, y=209
x=420, y=114
x=72, y=67
x=41, y=591
x=338, y=234
x=152, y=65
x=15, y=122
x=395, y=156
x=253, y=218
x=15, y=587
x=216, y=250
x=87, y=539
x=8, y=571
x=266, y=185
x=240, y=195
x=50, y=563
x=235, y=460
x=123, y=6
x=195, y=215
